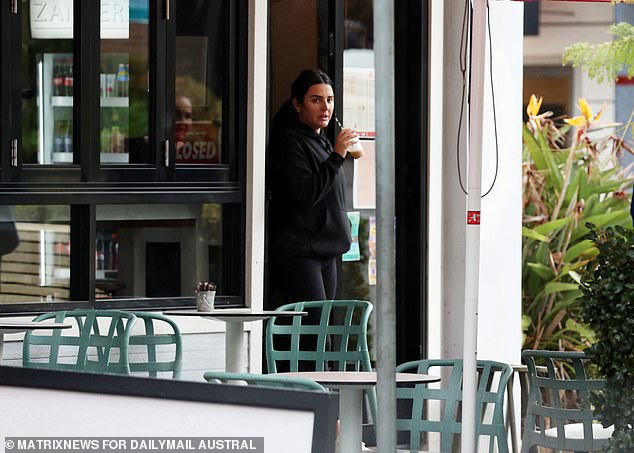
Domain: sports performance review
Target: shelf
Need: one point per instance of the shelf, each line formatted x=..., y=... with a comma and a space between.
x=67, y=101
x=106, y=275
x=63, y=158
x=115, y=158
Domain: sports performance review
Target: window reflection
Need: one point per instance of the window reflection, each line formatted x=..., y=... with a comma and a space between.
x=157, y=250
x=35, y=258
x=123, y=82
x=201, y=62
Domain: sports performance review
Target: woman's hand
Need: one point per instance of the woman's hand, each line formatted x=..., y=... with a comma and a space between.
x=344, y=139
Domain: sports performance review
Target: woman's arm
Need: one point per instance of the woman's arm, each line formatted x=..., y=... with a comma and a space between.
x=304, y=185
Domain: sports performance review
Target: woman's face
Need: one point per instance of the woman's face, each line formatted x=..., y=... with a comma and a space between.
x=183, y=118
x=317, y=107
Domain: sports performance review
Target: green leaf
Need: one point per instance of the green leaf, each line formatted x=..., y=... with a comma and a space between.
x=533, y=148
x=582, y=329
x=553, y=225
x=556, y=287
x=608, y=218
x=526, y=322
x=543, y=271
x=574, y=184
x=531, y=233
x=578, y=249
x=576, y=277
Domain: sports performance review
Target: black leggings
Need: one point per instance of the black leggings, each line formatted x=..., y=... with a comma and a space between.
x=297, y=279
x=300, y=278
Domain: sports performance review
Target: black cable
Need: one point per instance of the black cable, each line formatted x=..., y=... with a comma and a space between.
x=463, y=70
x=495, y=121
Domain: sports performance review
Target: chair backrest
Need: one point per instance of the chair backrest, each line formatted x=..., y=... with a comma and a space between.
x=98, y=342
x=413, y=403
x=156, y=347
x=558, y=399
x=332, y=337
x=263, y=380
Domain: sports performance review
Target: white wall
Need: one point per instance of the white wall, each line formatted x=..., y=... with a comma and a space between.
x=499, y=326
x=500, y=245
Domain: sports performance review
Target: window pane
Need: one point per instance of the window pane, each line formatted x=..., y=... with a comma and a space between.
x=158, y=250
x=359, y=266
x=47, y=83
x=124, y=88
x=35, y=254
x=201, y=65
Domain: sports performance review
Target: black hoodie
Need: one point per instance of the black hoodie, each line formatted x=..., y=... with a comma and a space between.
x=307, y=186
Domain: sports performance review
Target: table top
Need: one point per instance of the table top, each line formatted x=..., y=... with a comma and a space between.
x=235, y=314
x=358, y=378
x=18, y=326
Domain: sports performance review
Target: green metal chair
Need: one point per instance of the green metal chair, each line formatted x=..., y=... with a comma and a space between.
x=98, y=342
x=336, y=341
x=263, y=380
x=333, y=336
x=414, y=402
x=551, y=422
x=156, y=347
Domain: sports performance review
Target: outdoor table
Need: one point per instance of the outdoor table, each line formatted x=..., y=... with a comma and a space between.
x=351, y=385
x=22, y=326
x=235, y=336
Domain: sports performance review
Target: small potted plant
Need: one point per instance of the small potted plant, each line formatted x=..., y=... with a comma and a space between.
x=205, y=296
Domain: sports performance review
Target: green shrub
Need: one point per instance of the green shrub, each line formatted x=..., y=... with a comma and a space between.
x=607, y=306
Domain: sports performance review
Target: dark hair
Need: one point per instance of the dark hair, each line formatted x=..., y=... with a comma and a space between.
x=306, y=79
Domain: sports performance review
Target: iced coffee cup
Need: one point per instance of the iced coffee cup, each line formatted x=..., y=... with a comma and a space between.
x=355, y=149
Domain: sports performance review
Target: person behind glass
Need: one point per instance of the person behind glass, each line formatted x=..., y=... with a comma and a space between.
x=308, y=225
x=183, y=119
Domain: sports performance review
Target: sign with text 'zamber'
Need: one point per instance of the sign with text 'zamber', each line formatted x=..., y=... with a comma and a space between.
x=53, y=19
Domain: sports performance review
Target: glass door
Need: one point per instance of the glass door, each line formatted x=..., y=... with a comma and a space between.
x=47, y=83
x=124, y=87
x=201, y=60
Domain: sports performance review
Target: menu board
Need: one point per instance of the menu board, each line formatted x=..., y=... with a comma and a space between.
x=358, y=100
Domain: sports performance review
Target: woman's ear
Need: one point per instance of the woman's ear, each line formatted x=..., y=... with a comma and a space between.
x=296, y=105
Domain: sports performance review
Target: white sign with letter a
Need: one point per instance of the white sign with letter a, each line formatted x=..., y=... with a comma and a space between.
x=53, y=19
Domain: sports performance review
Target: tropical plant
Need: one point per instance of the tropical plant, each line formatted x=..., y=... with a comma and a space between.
x=570, y=177
x=607, y=306
x=604, y=61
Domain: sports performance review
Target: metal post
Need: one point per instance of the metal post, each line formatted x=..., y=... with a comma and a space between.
x=385, y=212
x=472, y=242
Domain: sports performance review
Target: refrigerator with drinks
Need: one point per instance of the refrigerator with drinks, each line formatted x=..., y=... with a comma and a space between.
x=55, y=108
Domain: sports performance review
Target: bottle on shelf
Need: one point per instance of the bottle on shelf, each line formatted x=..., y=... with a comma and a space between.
x=106, y=140
x=99, y=255
x=117, y=140
x=122, y=80
x=68, y=78
x=58, y=77
x=68, y=137
x=114, y=252
x=58, y=137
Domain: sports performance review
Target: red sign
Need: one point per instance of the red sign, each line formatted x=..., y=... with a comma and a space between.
x=201, y=145
x=473, y=217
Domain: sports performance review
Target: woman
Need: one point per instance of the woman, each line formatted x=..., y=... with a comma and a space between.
x=182, y=120
x=309, y=227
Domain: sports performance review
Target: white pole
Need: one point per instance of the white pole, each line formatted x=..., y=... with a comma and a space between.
x=472, y=242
